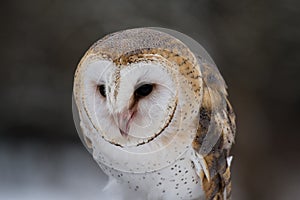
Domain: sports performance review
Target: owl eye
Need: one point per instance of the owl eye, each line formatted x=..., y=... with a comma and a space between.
x=144, y=90
x=102, y=90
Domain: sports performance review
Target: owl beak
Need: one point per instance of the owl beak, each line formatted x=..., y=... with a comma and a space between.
x=123, y=120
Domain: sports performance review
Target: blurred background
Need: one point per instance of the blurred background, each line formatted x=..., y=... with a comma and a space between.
x=254, y=43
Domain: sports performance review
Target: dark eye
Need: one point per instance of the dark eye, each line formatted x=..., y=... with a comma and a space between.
x=144, y=90
x=102, y=90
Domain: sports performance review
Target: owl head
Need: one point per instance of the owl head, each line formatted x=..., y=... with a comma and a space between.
x=137, y=94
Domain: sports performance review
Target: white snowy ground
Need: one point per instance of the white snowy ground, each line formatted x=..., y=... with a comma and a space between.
x=33, y=171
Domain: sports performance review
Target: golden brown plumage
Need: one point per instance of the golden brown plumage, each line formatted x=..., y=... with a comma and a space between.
x=215, y=112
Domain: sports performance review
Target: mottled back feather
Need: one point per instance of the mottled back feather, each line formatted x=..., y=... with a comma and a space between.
x=215, y=135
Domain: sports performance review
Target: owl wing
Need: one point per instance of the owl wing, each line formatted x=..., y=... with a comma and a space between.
x=215, y=136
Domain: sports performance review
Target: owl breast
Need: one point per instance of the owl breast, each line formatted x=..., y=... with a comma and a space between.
x=177, y=181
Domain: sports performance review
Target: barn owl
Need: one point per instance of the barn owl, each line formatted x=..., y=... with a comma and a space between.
x=152, y=109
